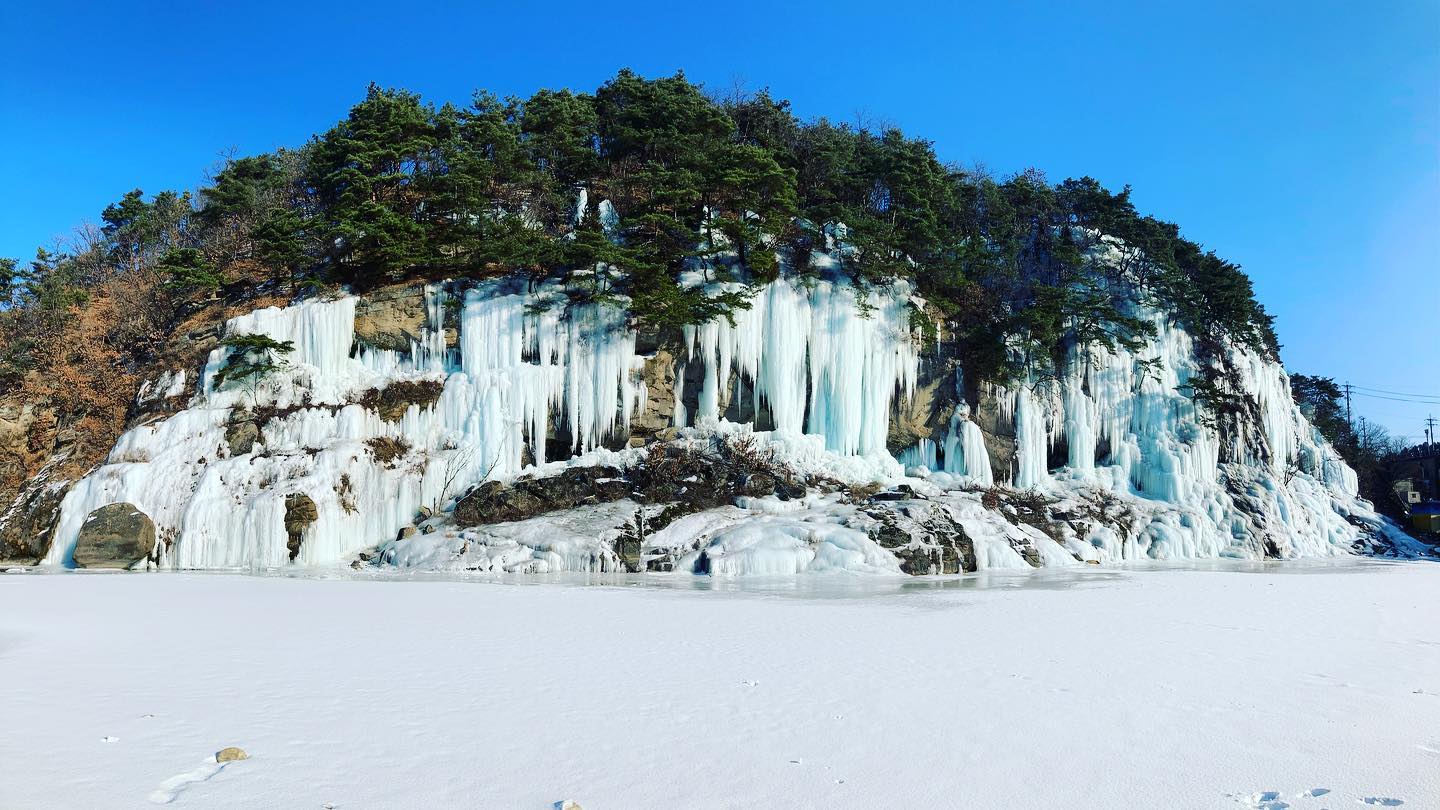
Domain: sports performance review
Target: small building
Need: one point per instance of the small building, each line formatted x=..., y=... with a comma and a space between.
x=1415, y=472
x=1425, y=517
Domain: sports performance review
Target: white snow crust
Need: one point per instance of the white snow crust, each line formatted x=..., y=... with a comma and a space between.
x=1306, y=685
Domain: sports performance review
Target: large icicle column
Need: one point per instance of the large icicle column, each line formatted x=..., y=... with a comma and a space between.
x=820, y=363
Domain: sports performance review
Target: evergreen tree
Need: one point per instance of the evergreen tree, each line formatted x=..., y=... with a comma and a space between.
x=736, y=189
x=1320, y=400
x=251, y=360
x=371, y=174
x=188, y=269
x=560, y=135
x=10, y=279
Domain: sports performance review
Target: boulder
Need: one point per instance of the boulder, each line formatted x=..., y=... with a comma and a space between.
x=241, y=437
x=115, y=536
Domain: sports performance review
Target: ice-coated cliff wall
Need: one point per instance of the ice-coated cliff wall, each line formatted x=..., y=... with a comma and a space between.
x=828, y=373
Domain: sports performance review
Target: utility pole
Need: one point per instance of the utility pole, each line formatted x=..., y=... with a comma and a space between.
x=1364, y=438
x=1348, y=421
x=1430, y=429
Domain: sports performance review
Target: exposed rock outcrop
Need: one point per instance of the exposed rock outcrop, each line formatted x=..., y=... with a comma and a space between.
x=241, y=436
x=656, y=415
x=29, y=523
x=393, y=400
x=680, y=476
x=33, y=450
x=300, y=512
x=497, y=502
x=391, y=318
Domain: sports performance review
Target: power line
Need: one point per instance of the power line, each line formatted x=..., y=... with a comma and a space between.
x=1436, y=401
x=1395, y=393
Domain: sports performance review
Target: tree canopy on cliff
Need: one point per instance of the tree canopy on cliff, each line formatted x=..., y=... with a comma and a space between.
x=403, y=189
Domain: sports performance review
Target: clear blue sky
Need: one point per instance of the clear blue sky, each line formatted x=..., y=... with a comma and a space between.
x=1301, y=140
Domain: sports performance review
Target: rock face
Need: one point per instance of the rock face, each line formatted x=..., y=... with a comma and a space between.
x=495, y=502
x=26, y=532
x=392, y=318
x=300, y=512
x=659, y=408
x=115, y=536
x=22, y=428
x=999, y=433
x=684, y=478
x=926, y=416
x=32, y=447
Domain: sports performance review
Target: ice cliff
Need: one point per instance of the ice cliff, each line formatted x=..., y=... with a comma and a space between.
x=361, y=446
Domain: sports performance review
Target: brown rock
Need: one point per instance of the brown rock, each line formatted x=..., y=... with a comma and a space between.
x=300, y=512
x=393, y=400
x=654, y=417
x=391, y=318
x=241, y=437
x=115, y=536
x=231, y=754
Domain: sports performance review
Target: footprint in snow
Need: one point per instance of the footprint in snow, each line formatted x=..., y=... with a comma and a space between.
x=171, y=788
x=1381, y=801
x=1268, y=800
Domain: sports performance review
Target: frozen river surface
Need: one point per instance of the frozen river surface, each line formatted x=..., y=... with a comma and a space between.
x=1259, y=686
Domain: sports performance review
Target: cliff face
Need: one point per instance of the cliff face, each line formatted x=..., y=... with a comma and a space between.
x=818, y=430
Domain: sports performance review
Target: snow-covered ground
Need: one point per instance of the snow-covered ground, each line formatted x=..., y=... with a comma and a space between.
x=1300, y=686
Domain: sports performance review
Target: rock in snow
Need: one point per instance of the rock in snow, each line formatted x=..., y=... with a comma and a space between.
x=117, y=535
x=231, y=754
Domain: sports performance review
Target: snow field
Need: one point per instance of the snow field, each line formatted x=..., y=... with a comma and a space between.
x=1077, y=688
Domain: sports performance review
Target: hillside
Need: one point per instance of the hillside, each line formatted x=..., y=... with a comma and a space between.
x=648, y=330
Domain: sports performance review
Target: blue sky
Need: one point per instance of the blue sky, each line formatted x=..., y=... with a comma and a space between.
x=1301, y=140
